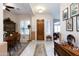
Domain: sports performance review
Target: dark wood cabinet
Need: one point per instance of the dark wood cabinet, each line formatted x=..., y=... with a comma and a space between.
x=9, y=26
x=12, y=41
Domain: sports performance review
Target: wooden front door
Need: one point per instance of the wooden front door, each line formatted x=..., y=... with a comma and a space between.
x=40, y=29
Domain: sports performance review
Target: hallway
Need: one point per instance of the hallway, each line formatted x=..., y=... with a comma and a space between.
x=40, y=24
x=47, y=49
x=25, y=23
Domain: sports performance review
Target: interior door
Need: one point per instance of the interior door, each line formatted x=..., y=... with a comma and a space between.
x=40, y=29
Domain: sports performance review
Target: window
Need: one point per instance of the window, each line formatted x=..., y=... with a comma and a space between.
x=24, y=27
x=57, y=27
x=48, y=24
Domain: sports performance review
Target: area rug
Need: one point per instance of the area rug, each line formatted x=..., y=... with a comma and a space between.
x=20, y=49
x=40, y=50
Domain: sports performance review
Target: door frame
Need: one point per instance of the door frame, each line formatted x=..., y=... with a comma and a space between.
x=36, y=28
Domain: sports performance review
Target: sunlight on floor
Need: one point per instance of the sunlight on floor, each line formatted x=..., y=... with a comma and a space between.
x=47, y=48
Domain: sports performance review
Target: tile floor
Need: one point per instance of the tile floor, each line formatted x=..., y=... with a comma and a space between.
x=30, y=49
x=49, y=45
x=40, y=49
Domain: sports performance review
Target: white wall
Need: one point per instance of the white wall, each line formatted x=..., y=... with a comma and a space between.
x=64, y=33
x=1, y=22
x=3, y=45
x=45, y=17
x=20, y=18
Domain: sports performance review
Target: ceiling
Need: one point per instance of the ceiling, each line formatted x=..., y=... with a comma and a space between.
x=50, y=8
x=20, y=8
x=30, y=8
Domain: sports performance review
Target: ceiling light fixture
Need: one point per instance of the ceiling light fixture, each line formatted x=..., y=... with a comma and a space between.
x=40, y=9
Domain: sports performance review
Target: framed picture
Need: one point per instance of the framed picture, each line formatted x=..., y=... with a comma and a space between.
x=65, y=14
x=69, y=24
x=74, y=9
x=77, y=23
